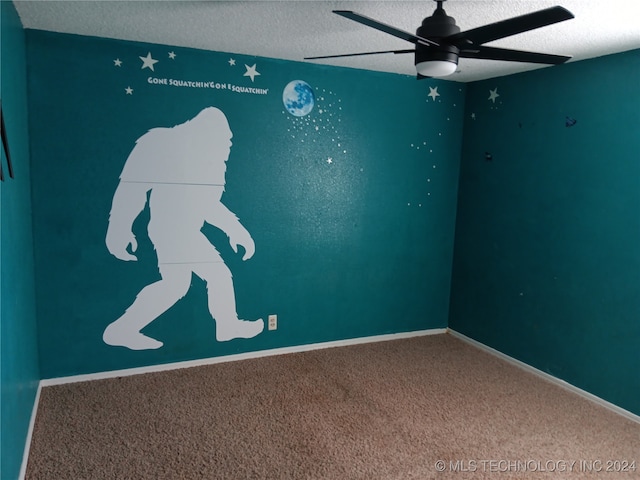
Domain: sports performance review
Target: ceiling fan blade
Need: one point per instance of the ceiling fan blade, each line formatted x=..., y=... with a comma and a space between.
x=383, y=27
x=512, y=26
x=491, y=53
x=359, y=54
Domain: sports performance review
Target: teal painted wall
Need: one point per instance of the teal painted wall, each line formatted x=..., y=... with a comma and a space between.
x=547, y=247
x=547, y=251
x=18, y=347
x=351, y=207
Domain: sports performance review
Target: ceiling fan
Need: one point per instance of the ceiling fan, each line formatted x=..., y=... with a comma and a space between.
x=439, y=43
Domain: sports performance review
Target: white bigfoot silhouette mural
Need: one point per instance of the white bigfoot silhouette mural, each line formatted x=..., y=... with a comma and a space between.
x=180, y=171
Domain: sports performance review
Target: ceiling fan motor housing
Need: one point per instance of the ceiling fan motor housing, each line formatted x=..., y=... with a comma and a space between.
x=437, y=27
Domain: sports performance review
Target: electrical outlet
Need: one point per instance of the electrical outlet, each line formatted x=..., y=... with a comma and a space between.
x=273, y=322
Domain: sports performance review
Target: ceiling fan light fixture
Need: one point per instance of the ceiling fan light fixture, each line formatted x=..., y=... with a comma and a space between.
x=439, y=61
x=435, y=68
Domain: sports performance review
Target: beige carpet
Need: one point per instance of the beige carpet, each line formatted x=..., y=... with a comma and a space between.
x=388, y=410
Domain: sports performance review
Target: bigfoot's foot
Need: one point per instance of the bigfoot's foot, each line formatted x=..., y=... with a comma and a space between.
x=238, y=329
x=119, y=335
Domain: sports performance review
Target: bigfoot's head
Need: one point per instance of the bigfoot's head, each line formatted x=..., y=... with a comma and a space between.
x=195, y=151
x=212, y=127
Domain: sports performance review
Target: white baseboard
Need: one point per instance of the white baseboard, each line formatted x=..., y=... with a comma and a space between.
x=32, y=422
x=240, y=356
x=567, y=386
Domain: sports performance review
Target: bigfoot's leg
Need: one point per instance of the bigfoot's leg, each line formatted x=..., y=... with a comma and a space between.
x=222, y=303
x=152, y=301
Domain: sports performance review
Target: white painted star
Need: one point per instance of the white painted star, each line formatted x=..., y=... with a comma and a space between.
x=172, y=55
x=493, y=94
x=473, y=116
x=433, y=93
x=117, y=62
x=129, y=90
x=148, y=62
x=232, y=61
x=251, y=72
x=329, y=160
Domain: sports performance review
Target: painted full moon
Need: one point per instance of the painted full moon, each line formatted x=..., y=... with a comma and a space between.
x=298, y=98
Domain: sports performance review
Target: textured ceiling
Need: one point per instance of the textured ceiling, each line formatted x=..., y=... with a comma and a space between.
x=292, y=30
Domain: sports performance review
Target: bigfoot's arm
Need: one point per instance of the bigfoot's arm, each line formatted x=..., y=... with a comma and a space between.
x=128, y=201
x=223, y=218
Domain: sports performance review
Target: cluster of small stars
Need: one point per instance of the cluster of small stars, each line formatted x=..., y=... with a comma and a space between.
x=423, y=145
x=323, y=120
x=418, y=145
